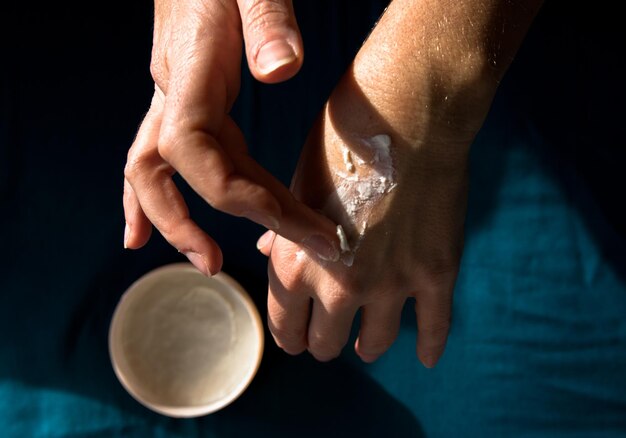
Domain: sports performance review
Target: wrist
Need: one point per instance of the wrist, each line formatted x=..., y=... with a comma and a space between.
x=426, y=99
x=432, y=67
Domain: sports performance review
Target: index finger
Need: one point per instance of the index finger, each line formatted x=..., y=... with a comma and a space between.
x=208, y=150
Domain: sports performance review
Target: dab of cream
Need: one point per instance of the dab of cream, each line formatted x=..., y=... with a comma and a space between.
x=357, y=191
x=300, y=255
x=343, y=239
x=347, y=159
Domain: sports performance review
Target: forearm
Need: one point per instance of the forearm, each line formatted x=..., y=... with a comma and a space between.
x=424, y=80
x=434, y=64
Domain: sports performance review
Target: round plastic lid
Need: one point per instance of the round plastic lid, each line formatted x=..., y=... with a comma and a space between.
x=185, y=345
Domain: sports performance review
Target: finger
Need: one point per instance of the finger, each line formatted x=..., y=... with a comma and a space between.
x=380, y=322
x=150, y=179
x=208, y=150
x=210, y=171
x=264, y=244
x=288, y=312
x=298, y=222
x=273, y=42
x=138, y=228
x=166, y=209
x=433, y=308
x=329, y=329
x=231, y=181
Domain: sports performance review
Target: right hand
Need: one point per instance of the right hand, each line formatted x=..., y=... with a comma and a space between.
x=196, y=59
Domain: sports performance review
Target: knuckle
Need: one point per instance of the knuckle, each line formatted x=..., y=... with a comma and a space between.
x=219, y=200
x=263, y=14
x=173, y=143
x=158, y=69
x=340, y=301
x=341, y=293
x=290, y=277
x=166, y=144
x=444, y=264
x=168, y=229
x=134, y=165
x=440, y=271
x=130, y=170
x=290, y=280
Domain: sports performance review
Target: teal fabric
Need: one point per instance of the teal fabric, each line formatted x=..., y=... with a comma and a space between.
x=538, y=342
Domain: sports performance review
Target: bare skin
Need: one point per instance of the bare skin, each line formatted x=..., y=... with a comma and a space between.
x=196, y=67
x=425, y=77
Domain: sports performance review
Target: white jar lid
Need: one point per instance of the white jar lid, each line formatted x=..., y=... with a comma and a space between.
x=185, y=345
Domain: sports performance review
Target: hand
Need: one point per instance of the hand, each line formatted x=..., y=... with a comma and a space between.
x=403, y=216
x=388, y=161
x=196, y=68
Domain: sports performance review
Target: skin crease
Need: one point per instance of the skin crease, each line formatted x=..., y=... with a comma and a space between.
x=430, y=92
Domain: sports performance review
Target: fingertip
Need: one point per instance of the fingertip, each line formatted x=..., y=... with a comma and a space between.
x=430, y=350
x=433, y=311
x=264, y=244
x=276, y=61
x=137, y=226
x=429, y=360
x=294, y=351
x=291, y=350
x=208, y=264
x=311, y=229
x=367, y=358
x=137, y=233
x=215, y=260
x=290, y=346
x=199, y=261
x=199, y=248
x=322, y=358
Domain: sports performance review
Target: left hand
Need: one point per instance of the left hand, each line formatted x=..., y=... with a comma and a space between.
x=424, y=78
x=405, y=243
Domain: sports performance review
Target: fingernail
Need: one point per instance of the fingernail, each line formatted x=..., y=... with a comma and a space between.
x=274, y=55
x=269, y=222
x=264, y=240
x=126, y=235
x=322, y=247
x=199, y=262
x=430, y=361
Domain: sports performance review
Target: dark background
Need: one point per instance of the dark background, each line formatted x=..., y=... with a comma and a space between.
x=538, y=345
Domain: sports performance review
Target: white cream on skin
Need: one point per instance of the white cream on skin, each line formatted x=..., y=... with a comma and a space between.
x=343, y=239
x=300, y=255
x=363, y=182
x=347, y=159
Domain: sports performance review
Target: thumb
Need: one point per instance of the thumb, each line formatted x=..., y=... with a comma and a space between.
x=273, y=41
